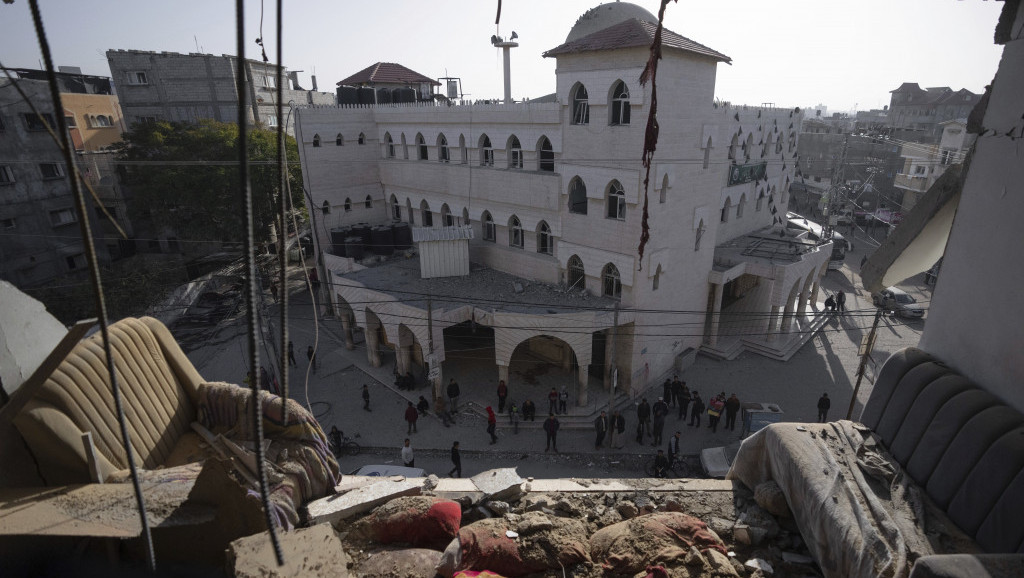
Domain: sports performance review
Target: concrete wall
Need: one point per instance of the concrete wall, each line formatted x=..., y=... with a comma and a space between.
x=971, y=325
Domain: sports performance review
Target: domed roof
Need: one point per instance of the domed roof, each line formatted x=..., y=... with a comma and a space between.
x=607, y=15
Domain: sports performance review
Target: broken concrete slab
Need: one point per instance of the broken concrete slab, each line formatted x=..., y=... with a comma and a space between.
x=499, y=484
x=314, y=552
x=360, y=500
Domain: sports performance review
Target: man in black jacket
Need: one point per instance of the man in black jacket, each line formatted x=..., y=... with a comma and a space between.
x=601, y=427
x=551, y=426
x=457, y=460
x=697, y=409
x=660, y=411
x=453, y=395
x=643, y=416
x=824, y=403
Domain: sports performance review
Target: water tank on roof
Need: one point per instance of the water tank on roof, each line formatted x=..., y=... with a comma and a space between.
x=383, y=96
x=383, y=240
x=354, y=247
x=402, y=235
x=403, y=95
x=367, y=95
x=338, y=240
x=362, y=230
x=348, y=95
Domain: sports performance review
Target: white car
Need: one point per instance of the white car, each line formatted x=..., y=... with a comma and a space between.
x=899, y=302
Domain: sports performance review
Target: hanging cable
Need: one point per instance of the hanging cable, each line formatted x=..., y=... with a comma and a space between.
x=282, y=262
x=250, y=257
x=94, y=273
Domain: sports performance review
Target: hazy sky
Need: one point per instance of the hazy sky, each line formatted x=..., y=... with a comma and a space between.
x=790, y=52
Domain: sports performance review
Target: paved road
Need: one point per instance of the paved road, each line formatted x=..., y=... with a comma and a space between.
x=826, y=364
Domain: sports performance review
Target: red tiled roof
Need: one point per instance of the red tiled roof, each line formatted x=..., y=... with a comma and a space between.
x=630, y=33
x=387, y=73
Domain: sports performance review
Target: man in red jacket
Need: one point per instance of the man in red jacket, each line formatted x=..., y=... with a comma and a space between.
x=410, y=416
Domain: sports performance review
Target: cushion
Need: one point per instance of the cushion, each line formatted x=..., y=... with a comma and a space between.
x=903, y=397
x=893, y=370
x=921, y=414
x=948, y=422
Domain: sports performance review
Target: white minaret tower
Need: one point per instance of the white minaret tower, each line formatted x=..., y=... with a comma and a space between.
x=500, y=42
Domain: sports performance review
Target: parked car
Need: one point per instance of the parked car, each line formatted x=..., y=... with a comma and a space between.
x=899, y=302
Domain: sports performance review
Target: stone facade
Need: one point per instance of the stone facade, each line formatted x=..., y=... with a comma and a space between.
x=419, y=163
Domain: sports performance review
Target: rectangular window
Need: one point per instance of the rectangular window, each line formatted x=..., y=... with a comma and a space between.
x=62, y=217
x=51, y=170
x=34, y=123
x=70, y=119
x=270, y=81
x=8, y=223
x=137, y=78
x=76, y=261
x=6, y=176
x=271, y=120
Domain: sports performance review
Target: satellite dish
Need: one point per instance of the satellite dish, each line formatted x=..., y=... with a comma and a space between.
x=514, y=35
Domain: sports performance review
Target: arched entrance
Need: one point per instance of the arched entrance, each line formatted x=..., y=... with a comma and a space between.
x=537, y=365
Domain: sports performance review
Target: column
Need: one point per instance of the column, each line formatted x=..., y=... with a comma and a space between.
x=503, y=373
x=566, y=359
x=346, y=326
x=401, y=359
x=802, y=307
x=773, y=323
x=716, y=315
x=581, y=390
x=372, y=344
x=787, y=317
x=607, y=382
x=814, y=293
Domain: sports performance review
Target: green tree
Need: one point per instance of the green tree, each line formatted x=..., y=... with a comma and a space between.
x=185, y=177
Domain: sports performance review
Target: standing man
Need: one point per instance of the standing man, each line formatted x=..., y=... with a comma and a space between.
x=660, y=411
x=601, y=427
x=840, y=302
x=552, y=401
x=696, y=410
x=666, y=390
x=529, y=410
x=563, y=400
x=551, y=426
x=453, y=394
x=732, y=407
x=618, y=429
x=824, y=403
x=502, y=394
x=715, y=406
x=684, y=401
x=513, y=416
x=291, y=353
x=408, y=459
x=673, y=447
x=456, y=461
x=643, y=416
x=660, y=464
x=492, y=424
x=410, y=416
x=311, y=355
x=677, y=391
x=366, y=398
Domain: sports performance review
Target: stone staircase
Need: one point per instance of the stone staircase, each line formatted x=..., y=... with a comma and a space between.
x=737, y=336
x=578, y=418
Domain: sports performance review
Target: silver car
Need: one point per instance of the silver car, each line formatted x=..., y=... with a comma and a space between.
x=899, y=302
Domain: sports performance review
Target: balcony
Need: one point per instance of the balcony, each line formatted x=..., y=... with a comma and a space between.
x=918, y=183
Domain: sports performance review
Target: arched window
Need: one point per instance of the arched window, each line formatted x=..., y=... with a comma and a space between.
x=664, y=189
x=405, y=148
x=408, y=211
x=767, y=146
x=368, y=203
x=546, y=155
x=486, y=152
x=515, y=153
x=425, y=217
x=577, y=196
x=732, y=148
x=464, y=154
x=446, y=216
x=740, y=205
x=396, y=209
x=576, y=279
x=778, y=145
x=465, y=216
x=725, y=210
x=792, y=141
x=421, y=146
x=707, y=154
x=611, y=285
x=616, y=201
x=442, y=149
x=657, y=277
x=490, y=232
x=348, y=205
x=339, y=140
x=748, y=146
x=326, y=208
x=316, y=141
x=580, y=106
x=700, y=233
x=390, y=145
x=760, y=201
x=362, y=138
x=515, y=233
x=620, y=104
x=544, y=244
x=110, y=120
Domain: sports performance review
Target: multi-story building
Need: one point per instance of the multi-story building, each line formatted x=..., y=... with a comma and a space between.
x=188, y=87
x=924, y=164
x=533, y=214
x=40, y=240
x=916, y=114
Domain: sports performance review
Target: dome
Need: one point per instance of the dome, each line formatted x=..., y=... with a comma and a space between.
x=607, y=15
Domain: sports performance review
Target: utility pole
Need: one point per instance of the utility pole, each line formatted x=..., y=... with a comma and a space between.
x=614, y=369
x=834, y=191
x=866, y=345
x=434, y=374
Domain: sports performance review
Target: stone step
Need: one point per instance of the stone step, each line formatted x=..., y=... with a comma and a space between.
x=726, y=349
x=786, y=346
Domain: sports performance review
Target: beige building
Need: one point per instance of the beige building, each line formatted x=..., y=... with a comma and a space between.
x=923, y=164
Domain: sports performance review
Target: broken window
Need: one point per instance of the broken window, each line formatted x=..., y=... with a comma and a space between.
x=338, y=140
x=489, y=228
x=316, y=141
x=616, y=201
x=421, y=146
x=390, y=145
x=544, y=244
x=580, y=106
x=486, y=152
x=547, y=156
x=700, y=233
x=442, y=149
x=428, y=218
x=515, y=233
x=515, y=153
x=577, y=277
x=620, y=104
x=577, y=196
x=611, y=285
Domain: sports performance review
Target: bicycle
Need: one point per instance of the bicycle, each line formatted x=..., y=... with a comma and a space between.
x=342, y=445
x=670, y=472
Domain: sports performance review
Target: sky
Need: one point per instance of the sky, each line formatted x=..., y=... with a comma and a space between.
x=844, y=54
